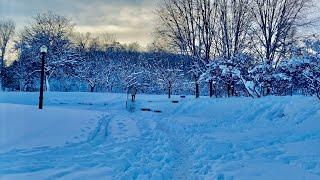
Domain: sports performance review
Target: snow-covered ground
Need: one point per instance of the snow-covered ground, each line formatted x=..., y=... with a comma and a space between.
x=25, y=126
x=93, y=136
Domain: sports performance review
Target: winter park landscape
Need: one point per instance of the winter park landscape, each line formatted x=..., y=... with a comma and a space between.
x=150, y=89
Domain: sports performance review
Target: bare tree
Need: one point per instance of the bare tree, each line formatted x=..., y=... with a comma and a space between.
x=190, y=25
x=166, y=73
x=207, y=24
x=82, y=41
x=7, y=28
x=204, y=29
x=275, y=25
x=234, y=21
x=93, y=66
x=275, y=21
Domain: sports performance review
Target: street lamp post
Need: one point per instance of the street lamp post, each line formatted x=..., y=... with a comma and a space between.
x=43, y=51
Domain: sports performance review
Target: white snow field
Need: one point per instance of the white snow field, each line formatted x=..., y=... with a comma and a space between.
x=27, y=127
x=94, y=136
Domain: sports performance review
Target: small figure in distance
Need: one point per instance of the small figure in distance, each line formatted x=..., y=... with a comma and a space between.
x=133, y=92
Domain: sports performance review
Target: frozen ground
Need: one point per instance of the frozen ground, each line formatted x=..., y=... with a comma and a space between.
x=237, y=138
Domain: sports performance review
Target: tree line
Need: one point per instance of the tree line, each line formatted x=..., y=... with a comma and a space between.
x=89, y=62
x=248, y=47
x=210, y=47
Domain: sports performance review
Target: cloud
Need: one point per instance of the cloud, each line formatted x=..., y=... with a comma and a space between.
x=129, y=20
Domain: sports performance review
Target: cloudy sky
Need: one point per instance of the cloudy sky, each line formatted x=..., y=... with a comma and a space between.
x=129, y=20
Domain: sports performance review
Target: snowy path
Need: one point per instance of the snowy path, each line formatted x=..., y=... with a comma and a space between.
x=182, y=162
x=120, y=147
x=122, y=129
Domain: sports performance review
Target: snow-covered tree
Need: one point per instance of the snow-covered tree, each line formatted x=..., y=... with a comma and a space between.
x=51, y=30
x=166, y=72
x=307, y=65
x=189, y=25
x=7, y=29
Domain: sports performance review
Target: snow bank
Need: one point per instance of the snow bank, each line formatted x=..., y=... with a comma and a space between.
x=243, y=138
x=26, y=127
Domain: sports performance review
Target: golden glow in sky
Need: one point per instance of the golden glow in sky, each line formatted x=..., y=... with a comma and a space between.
x=129, y=20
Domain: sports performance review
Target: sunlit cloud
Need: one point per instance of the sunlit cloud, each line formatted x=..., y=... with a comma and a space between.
x=128, y=20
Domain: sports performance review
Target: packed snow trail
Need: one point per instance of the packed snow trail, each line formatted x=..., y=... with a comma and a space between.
x=183, y=162
x=237, y=138
x=120, y=147
x=120, y=158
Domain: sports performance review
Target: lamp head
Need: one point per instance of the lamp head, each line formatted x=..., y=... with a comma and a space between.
x=44, y=49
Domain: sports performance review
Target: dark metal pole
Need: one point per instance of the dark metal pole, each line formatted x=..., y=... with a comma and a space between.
x=42, y=81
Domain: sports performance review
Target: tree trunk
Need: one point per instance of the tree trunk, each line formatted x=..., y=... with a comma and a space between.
x=47, y=84
x=232, y=89
x=211, y=88
x=1, y=71
x=1, y=85
x=229, y=89
x=20, y=86
x=197, y=90
x=92, y=88
x=197, y=87
x=169, y=90
x=216, y=91
x=265, y=90
x=318, y=90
